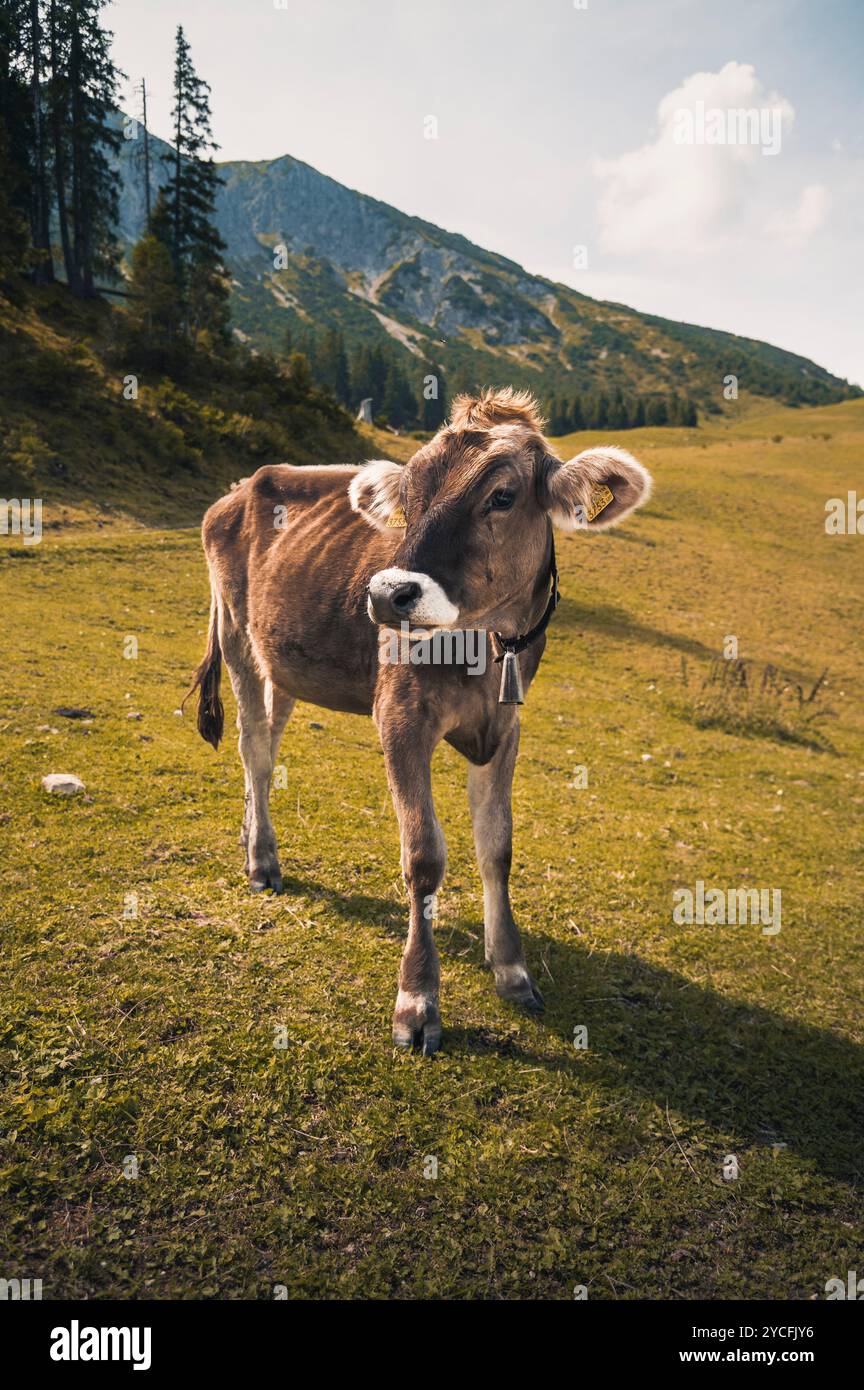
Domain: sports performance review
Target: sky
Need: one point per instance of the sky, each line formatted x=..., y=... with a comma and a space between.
x=552, y=131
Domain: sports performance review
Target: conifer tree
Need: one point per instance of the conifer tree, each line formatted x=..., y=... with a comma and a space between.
x=17, y=172
x=400, y=405
x=184, y=221
x=40, y=207
x=154, y=310
x=617, y=410
x=299, y=371
x=368, y=372
x=80, y=94
x=332, y=365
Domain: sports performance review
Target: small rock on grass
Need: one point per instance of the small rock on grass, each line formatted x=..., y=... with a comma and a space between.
x=62, y=783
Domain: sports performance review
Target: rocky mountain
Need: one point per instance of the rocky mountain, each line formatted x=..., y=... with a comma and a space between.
x=306, y=254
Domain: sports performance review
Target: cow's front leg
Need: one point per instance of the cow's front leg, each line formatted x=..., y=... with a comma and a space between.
x=489, y=794
x=416, y=1020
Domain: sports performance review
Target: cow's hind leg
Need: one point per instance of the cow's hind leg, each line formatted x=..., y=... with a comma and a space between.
x=278, y=707
x=489, y=794
x=255, y=744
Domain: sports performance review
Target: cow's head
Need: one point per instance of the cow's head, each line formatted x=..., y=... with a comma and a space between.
x=473, y=509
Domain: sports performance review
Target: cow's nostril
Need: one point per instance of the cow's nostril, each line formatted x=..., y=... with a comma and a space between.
x=404, y=597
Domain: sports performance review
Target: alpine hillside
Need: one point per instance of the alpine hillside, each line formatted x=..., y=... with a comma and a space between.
x=307, y=254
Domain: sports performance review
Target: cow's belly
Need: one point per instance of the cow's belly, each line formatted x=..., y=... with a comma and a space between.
x=331, y=689
x=328, y=657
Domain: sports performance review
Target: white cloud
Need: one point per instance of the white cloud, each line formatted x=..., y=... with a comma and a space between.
x=795, y=228
x=706, y=178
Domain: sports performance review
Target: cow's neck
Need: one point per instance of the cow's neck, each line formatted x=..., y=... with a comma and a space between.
x=548, y=586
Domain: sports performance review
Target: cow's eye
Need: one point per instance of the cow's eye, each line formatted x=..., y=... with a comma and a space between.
x=501, y=500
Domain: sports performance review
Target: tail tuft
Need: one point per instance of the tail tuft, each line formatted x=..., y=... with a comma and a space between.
x=211, y=711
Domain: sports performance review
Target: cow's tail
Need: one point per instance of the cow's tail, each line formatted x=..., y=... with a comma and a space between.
x=211, y=711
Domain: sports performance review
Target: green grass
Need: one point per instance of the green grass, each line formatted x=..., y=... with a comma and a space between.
x=154, y=1036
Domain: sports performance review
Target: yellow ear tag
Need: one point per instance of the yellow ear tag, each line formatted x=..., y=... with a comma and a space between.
x=601, y=496
x=398, y=520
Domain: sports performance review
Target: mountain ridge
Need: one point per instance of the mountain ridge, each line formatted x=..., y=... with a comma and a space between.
x=307, y=254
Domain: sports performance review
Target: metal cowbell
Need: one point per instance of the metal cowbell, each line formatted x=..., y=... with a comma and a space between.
x=511, y=692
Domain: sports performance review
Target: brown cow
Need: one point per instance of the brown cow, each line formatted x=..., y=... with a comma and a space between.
x=459, y=538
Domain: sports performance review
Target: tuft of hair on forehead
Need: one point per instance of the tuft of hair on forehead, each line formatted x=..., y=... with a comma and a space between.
x=493, y=407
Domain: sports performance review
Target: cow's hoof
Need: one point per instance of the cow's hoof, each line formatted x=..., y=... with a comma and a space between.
x=514, y=984
x=417, y=1023
x=263, y=869
x=262, y=879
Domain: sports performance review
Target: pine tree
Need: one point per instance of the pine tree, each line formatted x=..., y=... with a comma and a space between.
x=58, y=89
x=307, y=347
x=153, y=308
x=13, y=227
x=16, y=145
x=399, y=405
x=80, y=94
x=358, y=373
x=617, y=410
x=332, y=366
x=368, y=372
x=40, y=208
x=185, y=220
x=299, y=372
x=95, y=181
x=637, y=414
x=577, y=417
x=559, y=416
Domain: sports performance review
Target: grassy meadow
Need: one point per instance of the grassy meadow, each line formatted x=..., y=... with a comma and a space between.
x=199, y=1095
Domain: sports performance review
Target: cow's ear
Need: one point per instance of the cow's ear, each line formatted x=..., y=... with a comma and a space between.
x=374, y=493
x=596, y=489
